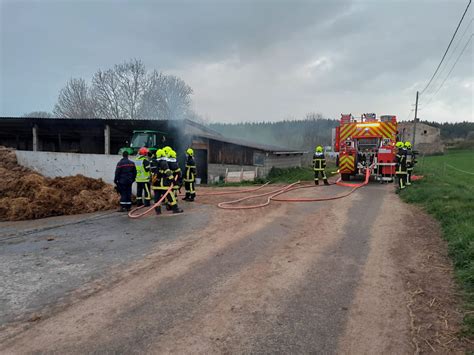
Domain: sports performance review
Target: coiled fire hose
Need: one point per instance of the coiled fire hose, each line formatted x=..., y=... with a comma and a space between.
x=272, y=195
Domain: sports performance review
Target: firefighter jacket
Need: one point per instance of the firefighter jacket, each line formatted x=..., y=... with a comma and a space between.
x=319, y=161
x=143, y=169
x=125, y=172
x=190, y=172
x=401, y=161
x=411, y=158
x=176, y=171
x=162, y=177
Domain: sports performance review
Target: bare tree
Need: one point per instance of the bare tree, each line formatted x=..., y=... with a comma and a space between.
x=75, y=101
x=119, y=91
x=167, y=97
x=106, y=91
x=126, y=92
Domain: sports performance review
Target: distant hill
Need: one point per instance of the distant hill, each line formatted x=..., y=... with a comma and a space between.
x=296, y=134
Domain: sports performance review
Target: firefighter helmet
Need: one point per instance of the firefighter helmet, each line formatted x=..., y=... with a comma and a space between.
x=407, y=145
x=143, y=151
x=190, y=151
x=160, y=153
x=400, y=145
x=172, y=154
x=319, y=149
x=167, y=150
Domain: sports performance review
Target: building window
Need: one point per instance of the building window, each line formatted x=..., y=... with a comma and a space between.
x=258, y=159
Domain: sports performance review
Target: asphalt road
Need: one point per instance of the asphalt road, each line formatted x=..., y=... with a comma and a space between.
x=277, y=280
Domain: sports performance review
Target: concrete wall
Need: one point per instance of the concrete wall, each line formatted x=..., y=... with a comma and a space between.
x=218, y=170
x=100, y=166
x=53, y=164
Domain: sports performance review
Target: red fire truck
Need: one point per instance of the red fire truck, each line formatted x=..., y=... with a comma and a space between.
x=366, y=143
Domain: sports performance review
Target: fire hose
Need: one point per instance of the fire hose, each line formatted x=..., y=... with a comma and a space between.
x=272, y=195
x=133, y=214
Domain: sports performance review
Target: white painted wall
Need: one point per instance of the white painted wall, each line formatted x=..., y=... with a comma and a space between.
x=53, y=164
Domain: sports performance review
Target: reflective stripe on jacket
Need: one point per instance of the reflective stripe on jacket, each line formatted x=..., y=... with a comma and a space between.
x=319, y=161
x=190, y=173
x=143, y=169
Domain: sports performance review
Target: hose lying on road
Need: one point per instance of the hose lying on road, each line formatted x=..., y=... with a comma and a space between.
x=272, y=195
x=133, y=213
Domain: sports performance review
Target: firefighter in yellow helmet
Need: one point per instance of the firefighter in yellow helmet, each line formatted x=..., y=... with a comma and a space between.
x=176, y=170
x=161, y=180
x=319, y=165
x=401, y=165
x=190, y=176
x=411, y=161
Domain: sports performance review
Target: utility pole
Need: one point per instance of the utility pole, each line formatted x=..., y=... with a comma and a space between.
x=416, y=119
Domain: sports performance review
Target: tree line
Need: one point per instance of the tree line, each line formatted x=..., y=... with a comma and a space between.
x=305, y=133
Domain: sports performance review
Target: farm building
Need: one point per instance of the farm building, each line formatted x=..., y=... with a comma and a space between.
x=52, y=138
x=426, y=138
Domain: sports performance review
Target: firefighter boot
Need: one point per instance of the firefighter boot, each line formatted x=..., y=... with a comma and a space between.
x=326, y=182
x=147, y=203
x=316, y=182
x=139, y=202
x=158, y=210
x=186, y=198
x=176, y=209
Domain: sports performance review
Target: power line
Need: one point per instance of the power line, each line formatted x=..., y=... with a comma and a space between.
x=455, y=48
x=447, y=49
x=447, y=76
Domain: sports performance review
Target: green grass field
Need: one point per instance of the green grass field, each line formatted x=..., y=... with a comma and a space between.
x=448, y=195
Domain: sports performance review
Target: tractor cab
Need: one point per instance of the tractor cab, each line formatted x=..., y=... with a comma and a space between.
x=152, y=140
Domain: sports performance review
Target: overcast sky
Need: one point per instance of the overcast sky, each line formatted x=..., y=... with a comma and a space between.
x=246, y=60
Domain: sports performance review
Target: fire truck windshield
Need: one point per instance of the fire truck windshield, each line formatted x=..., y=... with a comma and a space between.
x=367, y=143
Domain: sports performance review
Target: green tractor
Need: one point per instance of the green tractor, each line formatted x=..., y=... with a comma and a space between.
x=153, y=140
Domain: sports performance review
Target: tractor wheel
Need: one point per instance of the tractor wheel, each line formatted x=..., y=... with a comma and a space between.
x=345, y=177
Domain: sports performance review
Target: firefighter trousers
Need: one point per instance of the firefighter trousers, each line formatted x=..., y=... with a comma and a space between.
x=323, y=175
x=401, y=179
x=143, y=193
x=409, y=173
x=170, y=199
x=190, y=191
x=125, y=195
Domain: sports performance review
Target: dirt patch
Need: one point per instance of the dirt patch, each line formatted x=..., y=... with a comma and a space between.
x=407, y=299
x=25, y=194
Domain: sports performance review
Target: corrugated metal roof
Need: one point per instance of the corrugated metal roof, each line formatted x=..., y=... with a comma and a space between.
x=264, y=147
x=199, y=130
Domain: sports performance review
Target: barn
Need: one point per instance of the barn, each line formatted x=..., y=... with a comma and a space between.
x=50, y=141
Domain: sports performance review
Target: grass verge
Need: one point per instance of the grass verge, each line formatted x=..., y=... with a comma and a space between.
x=448, y=195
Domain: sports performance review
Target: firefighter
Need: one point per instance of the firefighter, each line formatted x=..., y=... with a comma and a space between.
x=319, y=165
x=401, y=166
x=411, y=161
x=125, y=174
x=143, y=177
x=161, y=180
x=177, y=173
x=190, y=176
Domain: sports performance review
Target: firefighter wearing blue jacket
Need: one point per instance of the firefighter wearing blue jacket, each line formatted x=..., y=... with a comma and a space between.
x=125, y=174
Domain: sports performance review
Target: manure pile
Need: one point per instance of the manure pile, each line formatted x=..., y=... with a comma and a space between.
x=25, y=194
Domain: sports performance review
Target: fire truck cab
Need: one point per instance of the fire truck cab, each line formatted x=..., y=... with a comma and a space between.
x=366, y=143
